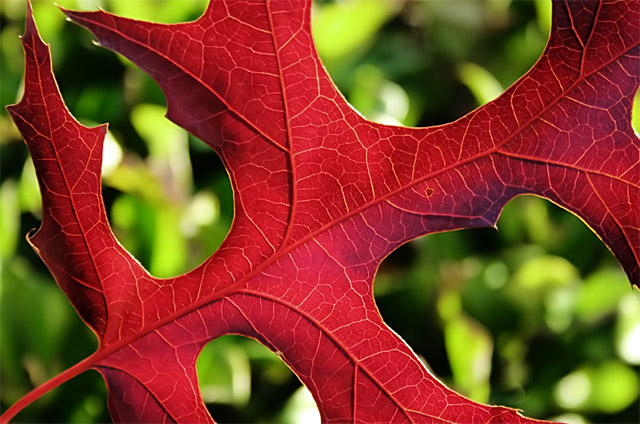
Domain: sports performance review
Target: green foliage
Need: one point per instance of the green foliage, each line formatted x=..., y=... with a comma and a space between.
x=537, y=315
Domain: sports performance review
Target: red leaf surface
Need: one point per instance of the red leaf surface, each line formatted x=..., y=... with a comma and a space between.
x=321, y=197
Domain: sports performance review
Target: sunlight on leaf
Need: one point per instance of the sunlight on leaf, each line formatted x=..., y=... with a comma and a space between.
x=469, y=347
x=334, y=34
x=204, y=210
x=496, y=275
x=89, y=410
x=545, y=271
x=29, y=190
x=543, y=10
x=160, y=11
x=615, y=386
x=608, y=387
x=9, y=219
x=301, y=408
x=574, y=390
x=628, y=328
x=570, y=418
x=169, y=249
x=600, y=293
x=111, y=155
x=377, y=98
x=484, y=86
x=168, y=149
x=224, y=372
x=559, y=306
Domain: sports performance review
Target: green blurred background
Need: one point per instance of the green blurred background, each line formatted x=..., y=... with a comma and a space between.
x=537, y=316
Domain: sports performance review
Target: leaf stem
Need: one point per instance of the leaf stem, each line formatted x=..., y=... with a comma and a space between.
x=45, y=387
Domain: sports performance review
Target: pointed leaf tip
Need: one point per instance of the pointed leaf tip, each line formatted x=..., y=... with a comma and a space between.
x=67, y=157
x=30, y=27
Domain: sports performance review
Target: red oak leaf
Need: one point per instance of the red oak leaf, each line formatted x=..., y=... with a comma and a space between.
x=321, y=197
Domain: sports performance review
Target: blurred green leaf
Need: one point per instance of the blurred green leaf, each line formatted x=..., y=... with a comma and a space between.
x=203, y=211
x=170, y=11
x=628, y=328
x=170, y=248
x=9, y=219
x=134, y=177
x=607, y=387
x=301, y=408
x=545, y=271
x=600, y=293
x=457, y=24
x=615, y=386
x=133, y=223
x=334, y=32
x=496, y=275
x=484, y=86
x=224, y=372
x=112, y=154
x=34, y=318
x=543, y=13
x=29, y=189
x=574, y=390
x=377, y=98
x=168, y=149
x=91, y=409
x=469, y=347
x=559, y=307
